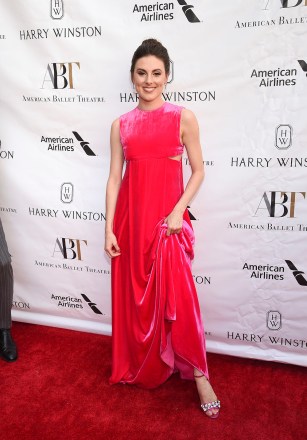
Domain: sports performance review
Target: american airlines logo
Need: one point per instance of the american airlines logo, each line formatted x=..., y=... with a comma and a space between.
x=303, y=65
x=298, y=274
x=190, y=214
x=188, y=12
x=92, y=305
x=84, y=144
x=163, y=11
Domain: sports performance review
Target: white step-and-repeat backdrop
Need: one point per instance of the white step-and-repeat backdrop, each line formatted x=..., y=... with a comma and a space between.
x=241, y=66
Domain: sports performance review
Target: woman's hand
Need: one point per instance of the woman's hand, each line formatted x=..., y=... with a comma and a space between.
x=174, y=222
x=111, y=246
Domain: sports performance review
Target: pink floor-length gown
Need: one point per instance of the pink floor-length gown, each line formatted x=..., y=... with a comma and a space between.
x=157, y=326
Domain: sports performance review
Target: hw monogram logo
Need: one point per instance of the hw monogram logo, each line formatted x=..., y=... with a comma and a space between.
x=187, y=9
x=60, y=73
x=285, y=4
x=85, y=145
x=70, y=248
x=273, y=320
x=91, y=305
x=298, y=274
x=171, y=72
x=56, y=9
x=283, y=137
x=67, y=192
x=270, y=200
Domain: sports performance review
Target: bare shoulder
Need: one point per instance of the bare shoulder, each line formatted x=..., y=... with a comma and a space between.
x=188, y=120
x=115, y=132
x=115, y=125
x=188, y=117
x=115, y=129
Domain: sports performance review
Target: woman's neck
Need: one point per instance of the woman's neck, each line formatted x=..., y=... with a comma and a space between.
x=150, y=105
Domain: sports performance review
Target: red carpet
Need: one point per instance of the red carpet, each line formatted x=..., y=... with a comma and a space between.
x=58, y=389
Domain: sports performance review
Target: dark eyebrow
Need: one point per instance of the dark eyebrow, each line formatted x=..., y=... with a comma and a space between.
x=144, y=70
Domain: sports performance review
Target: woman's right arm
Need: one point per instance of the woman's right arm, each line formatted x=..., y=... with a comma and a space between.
x=115, y=177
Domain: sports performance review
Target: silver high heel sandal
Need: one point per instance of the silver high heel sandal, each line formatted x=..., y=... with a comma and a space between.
x=210, y=405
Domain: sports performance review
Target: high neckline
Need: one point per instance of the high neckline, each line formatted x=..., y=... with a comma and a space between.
x=154, y=110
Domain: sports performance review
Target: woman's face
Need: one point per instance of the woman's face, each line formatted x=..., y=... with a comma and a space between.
x=149, y=78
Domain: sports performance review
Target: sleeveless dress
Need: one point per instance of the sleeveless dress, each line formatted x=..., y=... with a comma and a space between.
x=156, y=322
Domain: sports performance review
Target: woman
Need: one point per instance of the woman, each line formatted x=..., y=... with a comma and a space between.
x=157, y=328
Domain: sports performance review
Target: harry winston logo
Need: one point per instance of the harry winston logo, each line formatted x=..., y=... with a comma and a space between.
x=303, y=65
x=6, y=154
x=283, y=137
x=187, y=10
x=67, y=192
x=91, y=305
x=60, y=75
x=70, y=248
x=56, y=9
x=273, y=320
x=84, y=144
x=298, y=274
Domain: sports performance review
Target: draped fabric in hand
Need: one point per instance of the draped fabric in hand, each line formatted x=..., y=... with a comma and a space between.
x=157, y=326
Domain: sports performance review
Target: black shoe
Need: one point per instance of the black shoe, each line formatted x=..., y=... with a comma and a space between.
x=8, y=349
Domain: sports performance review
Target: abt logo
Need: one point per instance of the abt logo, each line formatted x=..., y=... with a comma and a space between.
x=60, y=75
x=285, y=4
x=273, y=320
x=187, y=10
x=283, y=137
x=56, y=9
x=281, y=201
x=70, y=248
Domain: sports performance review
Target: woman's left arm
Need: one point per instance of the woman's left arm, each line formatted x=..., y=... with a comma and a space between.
x=190, y=138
